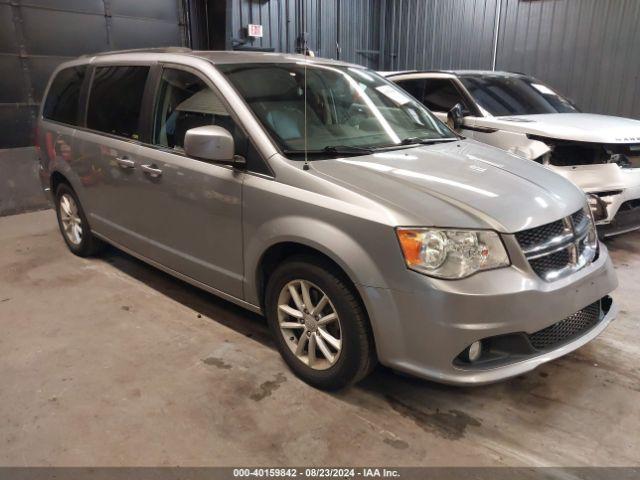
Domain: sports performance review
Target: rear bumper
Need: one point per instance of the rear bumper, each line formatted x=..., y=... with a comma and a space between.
x=422, y=332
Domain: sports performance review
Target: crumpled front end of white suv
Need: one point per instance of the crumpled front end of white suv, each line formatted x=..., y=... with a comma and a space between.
x=608, y=173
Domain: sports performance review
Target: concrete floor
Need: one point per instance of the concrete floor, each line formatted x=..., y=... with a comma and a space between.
x=108, y=361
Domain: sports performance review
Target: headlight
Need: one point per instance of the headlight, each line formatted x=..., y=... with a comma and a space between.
x=451, y=254
x=592, y=235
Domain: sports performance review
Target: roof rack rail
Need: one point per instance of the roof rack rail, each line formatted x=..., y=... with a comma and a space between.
x=404, y=72
x=141, y=50
x=401, y=72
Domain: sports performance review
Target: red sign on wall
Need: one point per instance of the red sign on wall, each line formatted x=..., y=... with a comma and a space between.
x=254, y=30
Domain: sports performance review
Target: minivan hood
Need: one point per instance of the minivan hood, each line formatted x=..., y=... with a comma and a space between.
x=581, y=127
x=462, y=184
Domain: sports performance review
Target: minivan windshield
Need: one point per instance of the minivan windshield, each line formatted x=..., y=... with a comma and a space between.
x=514, y=95
x=349, y=110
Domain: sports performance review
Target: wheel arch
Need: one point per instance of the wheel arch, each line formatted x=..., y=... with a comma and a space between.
x=55, y=179
x=280, y=251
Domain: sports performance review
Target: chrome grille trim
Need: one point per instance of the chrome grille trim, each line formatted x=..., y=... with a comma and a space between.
x=552, y=246
x=570, y=234
x=580, y=221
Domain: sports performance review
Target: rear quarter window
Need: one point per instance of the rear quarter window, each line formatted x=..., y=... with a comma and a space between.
x=62, y=102
x=115, y=100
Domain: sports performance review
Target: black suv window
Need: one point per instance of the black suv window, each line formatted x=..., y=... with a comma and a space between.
x=515, y=95
x=116, y=99
x=441, y=95
x=62, y=100
x=415, y=87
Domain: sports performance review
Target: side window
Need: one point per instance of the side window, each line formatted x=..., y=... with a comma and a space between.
x=440, y=95
x=115, y=100
x=62, y=100
x=185, y=101
x=415, y=87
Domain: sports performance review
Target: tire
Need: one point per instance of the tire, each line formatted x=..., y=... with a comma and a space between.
x=78, y=238
x=356, y=355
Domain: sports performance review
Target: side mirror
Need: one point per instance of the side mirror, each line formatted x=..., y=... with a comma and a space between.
x=210, y=142
x=455, y=117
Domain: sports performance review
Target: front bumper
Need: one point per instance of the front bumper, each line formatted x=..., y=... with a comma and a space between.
x=623, y=213
x=422, y=332
x=623, y=223
x=616, y=187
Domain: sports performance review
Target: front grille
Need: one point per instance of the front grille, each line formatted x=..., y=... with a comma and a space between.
x=566, y=330
x=559, y=248
x=547, y=264
x=536, y=236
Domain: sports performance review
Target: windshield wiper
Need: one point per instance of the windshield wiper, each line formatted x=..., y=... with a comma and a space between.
x=348, y=150
x=333, y=150
x=426, y=141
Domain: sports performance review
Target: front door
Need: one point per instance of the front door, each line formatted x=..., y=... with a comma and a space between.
x=190, y=210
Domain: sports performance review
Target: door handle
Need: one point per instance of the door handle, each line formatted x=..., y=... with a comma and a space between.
x=124, y=162
x=151, y=170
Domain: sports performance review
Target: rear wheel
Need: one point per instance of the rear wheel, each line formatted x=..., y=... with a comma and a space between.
x=73, y=223
x=319, y=324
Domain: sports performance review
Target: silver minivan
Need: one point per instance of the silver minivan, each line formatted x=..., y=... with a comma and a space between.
x=326, y=198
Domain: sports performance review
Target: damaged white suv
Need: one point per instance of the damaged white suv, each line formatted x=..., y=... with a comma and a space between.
x=599, y=153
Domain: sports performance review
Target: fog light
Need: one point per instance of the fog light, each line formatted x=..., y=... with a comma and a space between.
x=474, y=351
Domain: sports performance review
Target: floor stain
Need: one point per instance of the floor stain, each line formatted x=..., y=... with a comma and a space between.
x=126, y=308
x=135, y=393
x=396, y=443
x=268, y=387
x=4, y=300
x=216, y=362
x=450, y=425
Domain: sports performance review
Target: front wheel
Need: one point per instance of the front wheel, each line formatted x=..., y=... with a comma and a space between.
x=319, y=324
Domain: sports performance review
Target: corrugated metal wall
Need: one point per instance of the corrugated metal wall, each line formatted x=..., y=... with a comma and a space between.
x=37, y=35
x=439, y=34
x=587, y=49
x=344, y=29
x=362, y=31
x=278, y=19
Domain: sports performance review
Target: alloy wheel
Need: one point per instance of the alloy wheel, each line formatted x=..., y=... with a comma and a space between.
x=309, y=324
x=71, y=221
